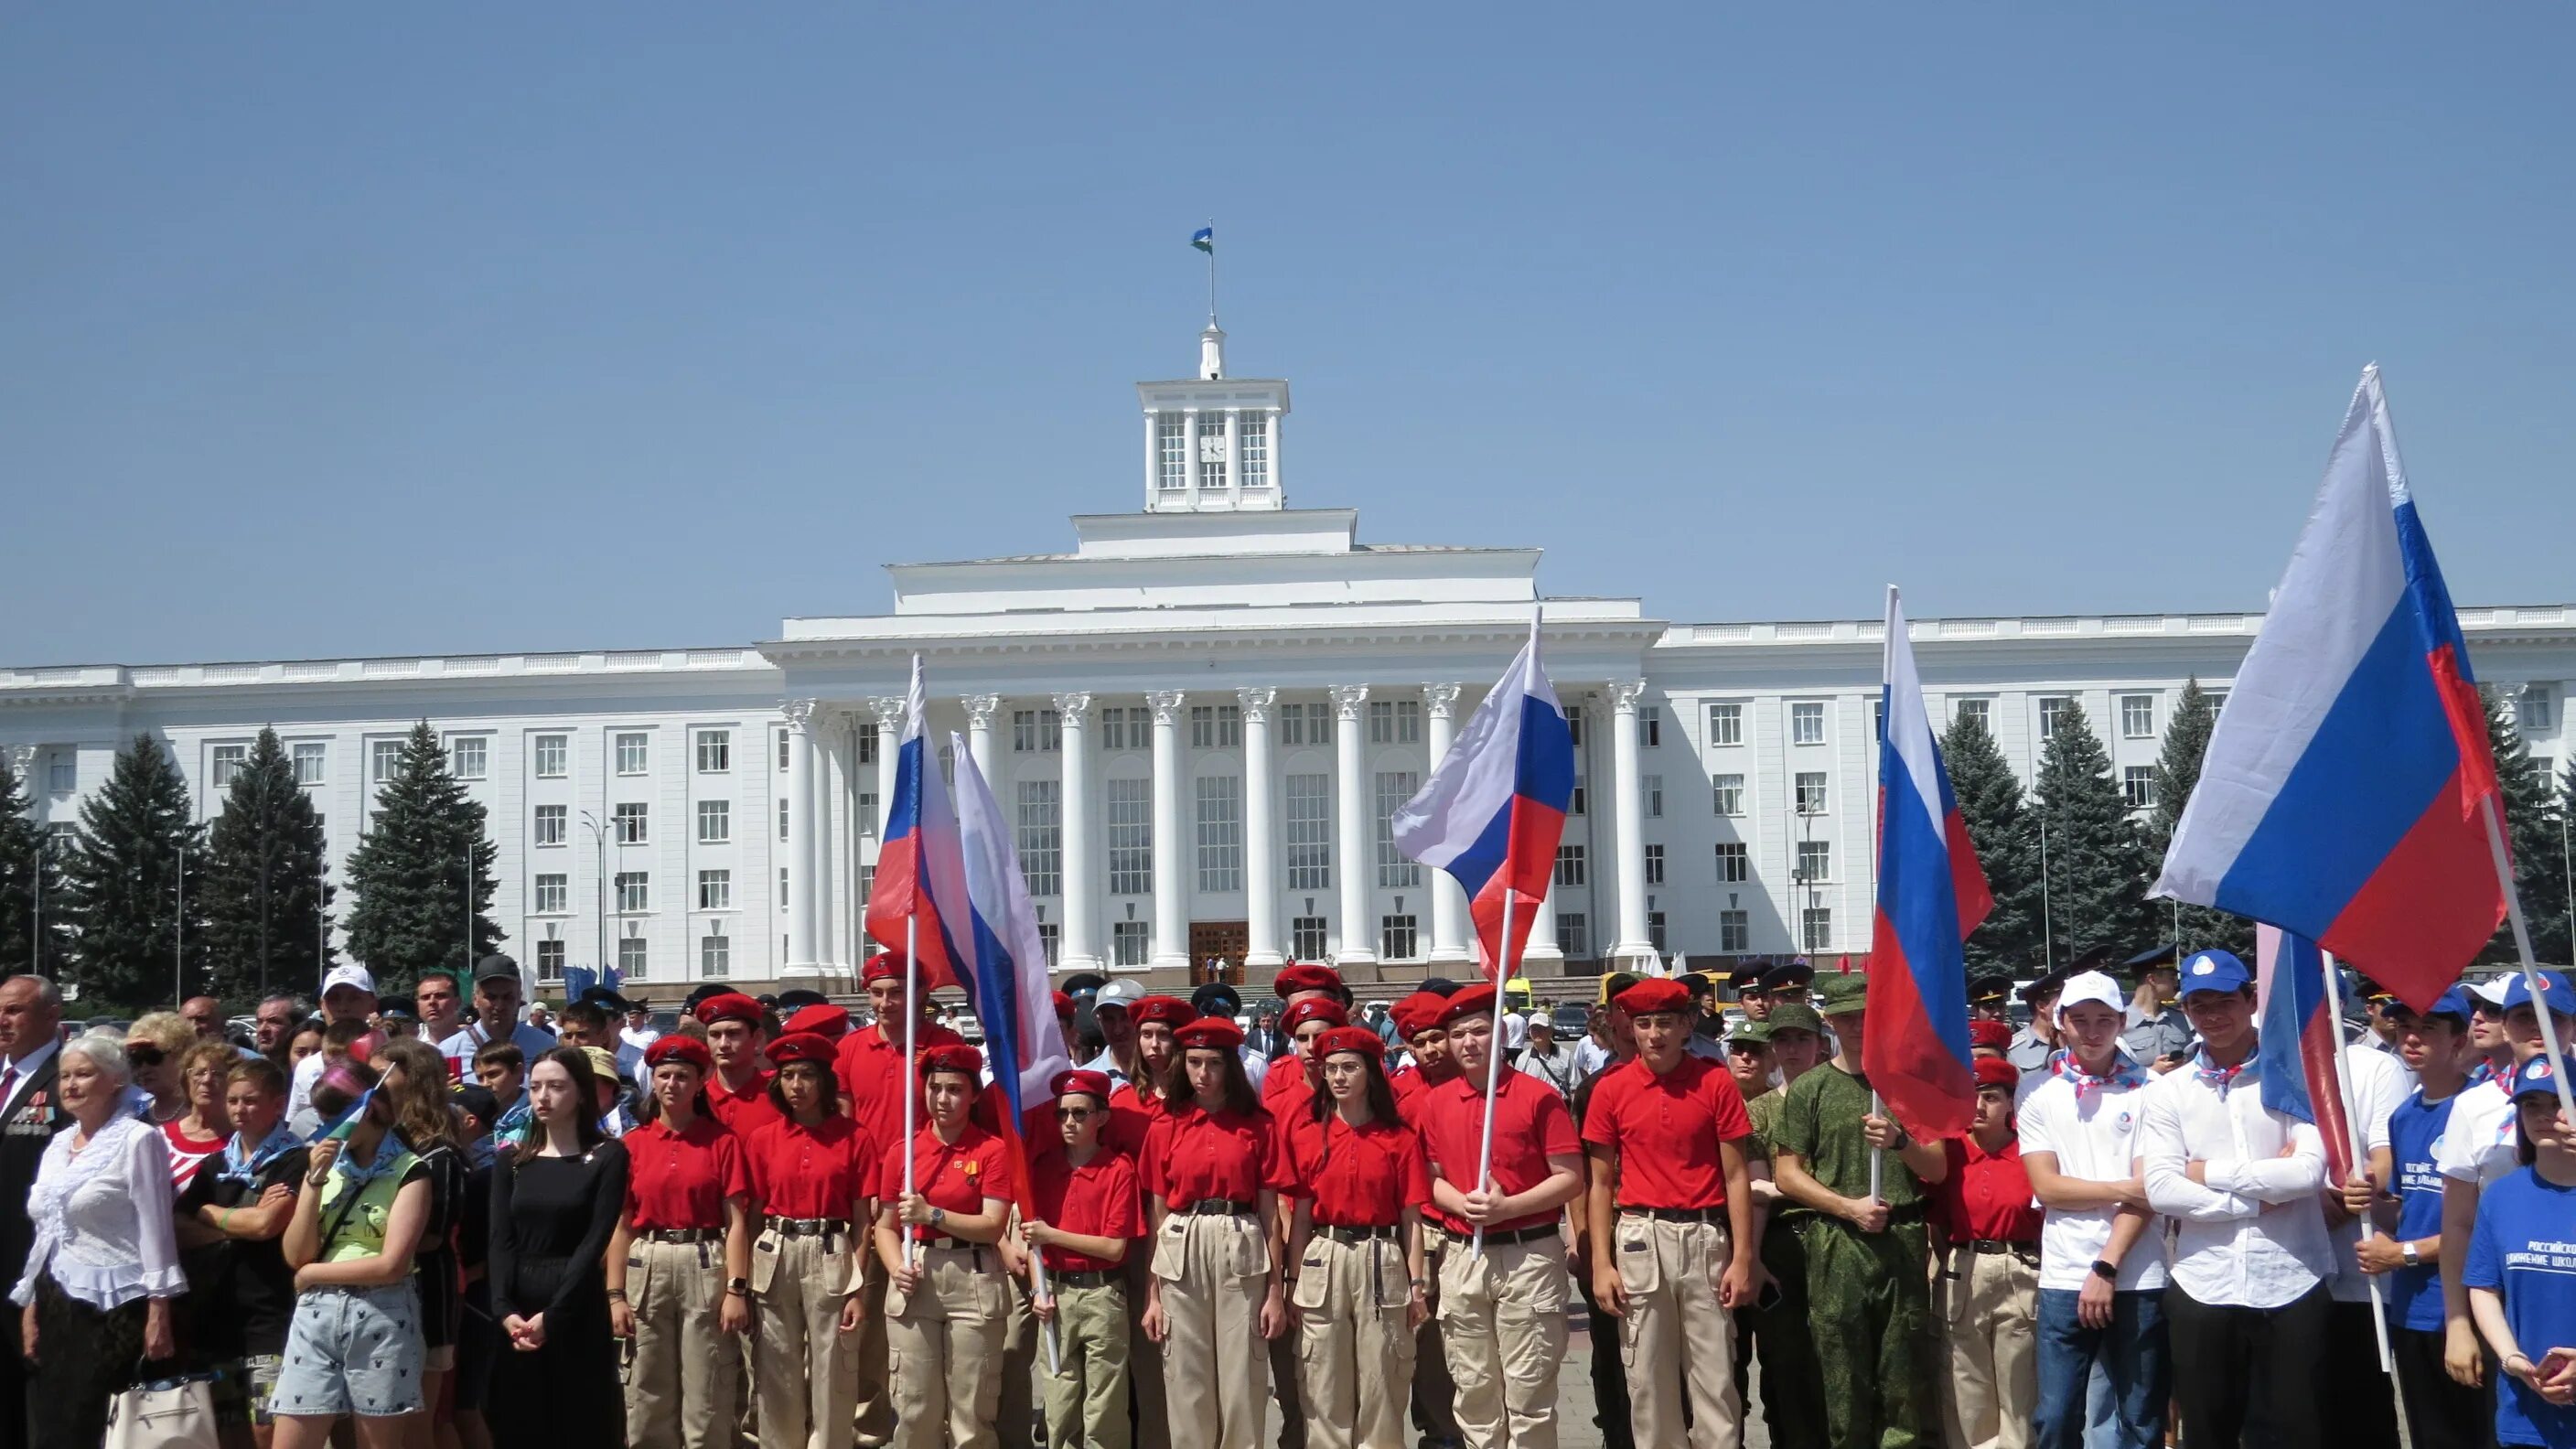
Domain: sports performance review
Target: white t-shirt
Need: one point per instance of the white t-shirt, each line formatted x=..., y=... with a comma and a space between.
x=2096, y=1141
x=2478, y=1143
x=2379, y=1085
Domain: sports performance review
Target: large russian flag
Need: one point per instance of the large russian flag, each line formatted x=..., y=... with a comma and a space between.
x=1494, y=808
x=2342, y=792
x=1005, y=960
x=1931, y=894
x=921, y=867
x=2300, y=1048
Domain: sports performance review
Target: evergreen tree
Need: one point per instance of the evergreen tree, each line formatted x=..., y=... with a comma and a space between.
x=1990, y=802
x=31, y=885
x=410, y=874
x=2195, y=718
x=2531, y=825
x=123, y=884
x=2093, y=866
x=265, y=896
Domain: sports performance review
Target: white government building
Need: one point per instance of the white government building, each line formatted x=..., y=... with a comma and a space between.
x=1202, y=716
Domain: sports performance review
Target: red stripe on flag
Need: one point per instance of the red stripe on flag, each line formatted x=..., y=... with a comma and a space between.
x=2428, y=907
x=1929, y=1092
x=2319, y=1061
x=2468, y=715
x=1967, y=874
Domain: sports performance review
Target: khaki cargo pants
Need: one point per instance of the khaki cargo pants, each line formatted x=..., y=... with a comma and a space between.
x=944, y=1348
x=1988, y=1307
x=684, y=1382
x=1214, y=1271
x=805, y=1375
x=1675, y=1336
x=1502, y=1322
x=1354, y=1348
x=1086, y=1390
x=870, y=1408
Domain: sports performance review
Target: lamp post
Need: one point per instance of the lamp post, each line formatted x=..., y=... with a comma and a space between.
x=179, y=934
x=2047, y=924
x=599, y=889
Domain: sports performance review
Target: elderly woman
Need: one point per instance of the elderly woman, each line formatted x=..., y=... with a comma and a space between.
x=199, y=1133
x=105, y=1266
x=153, y=1046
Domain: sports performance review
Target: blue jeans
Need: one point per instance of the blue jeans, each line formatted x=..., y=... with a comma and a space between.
x=2132, y=1354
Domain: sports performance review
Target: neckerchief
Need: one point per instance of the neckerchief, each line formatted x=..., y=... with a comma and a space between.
x=389, y=1153
x=2125, y=1072
x=2484, y=1071
x=2222, y=1077
x=276, y=1144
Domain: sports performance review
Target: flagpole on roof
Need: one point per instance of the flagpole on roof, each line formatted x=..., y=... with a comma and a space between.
x=1211, y=256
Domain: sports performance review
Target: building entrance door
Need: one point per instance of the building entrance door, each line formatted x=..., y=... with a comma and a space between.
x=1226, y=941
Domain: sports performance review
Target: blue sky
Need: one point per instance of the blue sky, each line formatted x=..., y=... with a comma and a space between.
x=336, y=331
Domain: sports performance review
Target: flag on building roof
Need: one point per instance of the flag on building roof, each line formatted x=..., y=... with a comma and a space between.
x=1204, y=238
x=1005, y=965
x=921, y=868
x=2342, y=792
x=2299, y=1050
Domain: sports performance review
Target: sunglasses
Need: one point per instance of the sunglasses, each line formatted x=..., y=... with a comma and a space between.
x=144, y=1054
x=1073, y=1114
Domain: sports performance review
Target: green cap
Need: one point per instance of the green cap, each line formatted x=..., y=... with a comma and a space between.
x=1756, y=1032
x=1839, y=991
x=1796, y=1016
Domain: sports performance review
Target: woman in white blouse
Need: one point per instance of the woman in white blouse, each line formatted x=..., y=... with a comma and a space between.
x=105, y=1265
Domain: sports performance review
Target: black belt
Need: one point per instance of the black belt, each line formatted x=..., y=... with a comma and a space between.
x=680, y=1235
x=1714, y=1217
x=1496, y=1235
x=1994, y=1247
x=1340, y=1234
x=810, y=1227
x=1086, y=1278
x=1217, y=1207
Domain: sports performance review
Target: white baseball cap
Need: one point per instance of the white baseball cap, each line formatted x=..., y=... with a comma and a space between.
x=2094, y=986
x=354, y=976
x=2492, y=990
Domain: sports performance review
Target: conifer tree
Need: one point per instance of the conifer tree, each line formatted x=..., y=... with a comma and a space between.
x=141, y=929
x=2195, y=718
x=1990, y=802
x=265, y=894
x=410, y=879
x=31, y=885
x=2531, y=817
x=2092, y=865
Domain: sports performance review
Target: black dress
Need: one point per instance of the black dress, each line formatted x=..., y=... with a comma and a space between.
x=552, y=1218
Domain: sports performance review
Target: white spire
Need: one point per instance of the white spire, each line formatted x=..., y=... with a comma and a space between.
x=1212, y=351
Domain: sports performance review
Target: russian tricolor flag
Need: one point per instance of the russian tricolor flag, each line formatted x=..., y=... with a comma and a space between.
x=2300, y=1047
x=1005, y=959
x=1494, y=808
x=1931, y=894
x=921, y=867
x=2342, y=795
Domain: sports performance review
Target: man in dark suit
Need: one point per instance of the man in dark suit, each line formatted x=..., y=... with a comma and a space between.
x=31, y=1017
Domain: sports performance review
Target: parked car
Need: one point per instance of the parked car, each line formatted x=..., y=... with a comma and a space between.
x=1570, y=1021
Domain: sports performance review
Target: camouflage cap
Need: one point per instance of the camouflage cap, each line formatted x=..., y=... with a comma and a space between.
x=1795, y=1016
x=1840, y=991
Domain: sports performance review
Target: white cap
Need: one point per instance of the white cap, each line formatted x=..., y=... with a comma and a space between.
x=2492, y=990
x=1122, y=993
x=356, y=976
x=2092, y=986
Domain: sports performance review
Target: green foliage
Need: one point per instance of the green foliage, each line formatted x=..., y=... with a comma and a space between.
x=2094, y=867
x=31, y=886
x=2197, y=928
x=409, y=876
x=122, y=884
x=2532, y=816
x=1990, y=801
x=265, y=895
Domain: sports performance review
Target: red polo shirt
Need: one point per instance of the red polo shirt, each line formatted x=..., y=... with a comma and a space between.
x=1411, y=1089
x=957, y=1177
x=1286, y=1093
x=746, y=1111
x=825, y=1171
x=1132, y=1114
x=871, y=1070
x=681, y=1179
x=1097, y=1199
x=1530, y=1125
x=1666, y=1130
x=1986, y=1195
x=1358, y=1177
x=1196, y=1154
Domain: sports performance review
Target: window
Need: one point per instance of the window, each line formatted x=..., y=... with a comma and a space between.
x=1734, y=862
x=715, y=822
x=1216, y=726
x=784, y=753
x=1398, y=939
x=634, y=891
x=1395, y=722
x=2536, y=709
x=549, y=897
x=633, y=819
x=1818, y=922
x=1113, y=729
x=1654, y=796
x=1310, y=833
x=2051, y=710
x=228, y=761
x=633, y=956
x=1041, y=836
x=715, y=890
x=1395, y=869
x=715, y=752
x=1878, y=720
x=782, y=820
x=715, y=956
x=465, y=757
x=2137, y=716
x=1569, y=865
x=634, y=753
x=62, y=775
x=1131, y=838
x=1726, y=724
x=1654, y=865
x=1252, y=449
x=871, y=814
x=2138, y=786
x=384, y=759
x=1127, y=943
x=867, y=874
x=1306, y=938
x=1574, y=724
x=2217, y=701
x=1727, y=792
x=550, y=752
x=1734, y=931
x=1807, y=722
x=1573, y=935
x=1655, y=931
x=1580, y=802
x=308, y=762
x=1220, y=799
x=1305, y=724
x=1212, y=451
x=1815, y=860
x=1036, y=732
x=867, y=747
x=1811, y=792
x=1650, y=725
x=552, y=824
x=1171, y=454
x=867, y=888
x=1051, y=938
x=1980, y=710
x=550, y=961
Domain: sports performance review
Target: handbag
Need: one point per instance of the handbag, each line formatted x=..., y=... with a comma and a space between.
x=175, y=1413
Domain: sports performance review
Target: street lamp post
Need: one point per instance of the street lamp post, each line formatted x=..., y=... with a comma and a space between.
x=599, y=891
x=2047, y=923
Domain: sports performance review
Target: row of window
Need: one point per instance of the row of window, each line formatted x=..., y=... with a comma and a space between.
x=1173, y=466
x=310, y=757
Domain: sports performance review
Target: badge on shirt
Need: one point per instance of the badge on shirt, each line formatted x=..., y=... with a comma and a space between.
x=973, y=1168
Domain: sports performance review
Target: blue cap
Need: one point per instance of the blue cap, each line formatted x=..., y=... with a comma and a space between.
x=2553, y=990
x=2535, y=1076
x=2214, y=971
x=2454, y=1003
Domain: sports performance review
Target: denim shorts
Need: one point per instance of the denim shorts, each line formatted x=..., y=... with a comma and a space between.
x=352, y=1351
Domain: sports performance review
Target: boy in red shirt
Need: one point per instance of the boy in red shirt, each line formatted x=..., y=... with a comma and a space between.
x=1087, y=1215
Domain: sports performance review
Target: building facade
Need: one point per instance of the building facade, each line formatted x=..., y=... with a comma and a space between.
x=1200, y=717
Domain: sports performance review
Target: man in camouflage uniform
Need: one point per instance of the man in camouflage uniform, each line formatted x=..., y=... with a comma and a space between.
x=1775, y=1328
x=1868, y=1260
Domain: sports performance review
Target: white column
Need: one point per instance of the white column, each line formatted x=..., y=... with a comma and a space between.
x=1278, y=498
x=820, y=863
x=1629, y=820
x=800, y=833
x=1448, y=902
x=1351, y=823
x=1260, y=845
x=1171, y=889
x=1153, y=468
x=980, y=709
x=1080, y=949
x=1233, y=456
x=1190, y=457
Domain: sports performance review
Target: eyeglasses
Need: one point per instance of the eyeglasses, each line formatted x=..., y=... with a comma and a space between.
x=144, y=1054
x=1073, y=1114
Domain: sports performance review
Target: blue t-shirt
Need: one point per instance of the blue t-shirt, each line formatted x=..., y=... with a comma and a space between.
x=2525, y=1248
x=2414, y=1137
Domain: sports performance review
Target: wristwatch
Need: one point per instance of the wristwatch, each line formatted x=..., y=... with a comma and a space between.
x=2413, y=1258
x=938, y=1216
x=2106, y=1270
x=740, y=1286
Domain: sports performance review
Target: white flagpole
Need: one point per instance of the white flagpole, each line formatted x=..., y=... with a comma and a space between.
x=1877, y=1155
x=2522, y=945
x=1493, y=1066
x=911, y=1025
x=2352, y=1144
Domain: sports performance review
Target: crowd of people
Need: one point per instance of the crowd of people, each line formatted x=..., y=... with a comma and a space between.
x=429, y=1221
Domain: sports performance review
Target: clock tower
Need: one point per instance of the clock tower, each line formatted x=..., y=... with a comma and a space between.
x=1212, y=441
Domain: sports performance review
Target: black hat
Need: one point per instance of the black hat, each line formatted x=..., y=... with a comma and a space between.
x=478, y=1099
x=1441, y=986
x=798, y=998
x=397, y=1008
x=604, y=999
x=1217, y=999
x=494, y=965
x=1788, y=973
x=1989, y=988
x=700, y=992
x=1699, y=982
x=2168, y=953
x=2045, y=986
x=1082, y=983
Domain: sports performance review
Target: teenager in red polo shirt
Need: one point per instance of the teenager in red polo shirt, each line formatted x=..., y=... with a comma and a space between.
x=1672, y=1205
x=1134, y=1107
x=814, y=1174
x=738, y=1087
x=1502, y=1310
x=679, y=1266
x=1087, y=1216
x=1417, y=1021
x=1986, y=1297
x=946, y=1296
x=1289, y=1091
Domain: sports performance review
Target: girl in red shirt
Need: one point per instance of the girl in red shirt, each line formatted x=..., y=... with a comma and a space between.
x=814, y=1173
x=946, y=1301
x=1986, y=1297
x=1213, y=1170
x=679, y=1266
x=1356, y=1241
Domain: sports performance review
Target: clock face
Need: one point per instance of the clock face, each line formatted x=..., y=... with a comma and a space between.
x=1212, y=447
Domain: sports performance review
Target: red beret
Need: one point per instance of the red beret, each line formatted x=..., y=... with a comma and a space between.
x=1064, y=1003
x=1349, y=1039
x=1094, y=1085
x=822, y=1019
x=801, y=1046
x=883, y=966
x=1472, y=1001
x=1217, y=1032
x=1330, y=1013
x=1418, y=1013
x=728, y=1006
x=687, y=1050
x=1306, y=978
x=1655, y=993
x=957, y=1058
x=1996, y=1072
x=1171, y=1011
x=1989, y=1034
